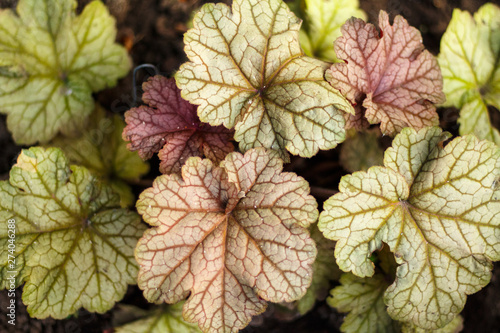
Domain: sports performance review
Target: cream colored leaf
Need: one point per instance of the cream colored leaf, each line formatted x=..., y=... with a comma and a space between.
x=437, y=209
x=247, y=71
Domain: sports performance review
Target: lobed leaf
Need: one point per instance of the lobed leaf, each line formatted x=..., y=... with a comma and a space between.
x=438, y=210
x=363, y=298
x=324, y=268
x=73, y=244
x=469, y=60
x=323, y=21
x=389, y=77
x=101, y=150
x=160, y=320
x=247, y=71
x=52, y=61
x=170, y=125
x=230, y=237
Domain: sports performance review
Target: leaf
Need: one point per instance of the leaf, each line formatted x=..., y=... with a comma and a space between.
x=171, y=122
x=361, y=151
x=324, y=269
x=230, y=237
x=437, y=209
x=73, y=244
x=161, y=320
x=101, y=150
x=390, y=79
x=469, y=60
x=247, y=71
x=323, y=20
x=363, y=299
x=455, y=326
x=53, y=60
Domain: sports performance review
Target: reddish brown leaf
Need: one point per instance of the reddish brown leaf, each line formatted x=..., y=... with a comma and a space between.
x=172, y=123
x=231, y=237
x=400, y=79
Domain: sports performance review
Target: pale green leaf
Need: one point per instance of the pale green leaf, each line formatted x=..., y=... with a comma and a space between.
x=73, y=244
x=363, y=298
x=322, y=24
x=454, y=326
x=101, y=150
x=470, y=64
x=361, y=151
x=247, y=71
x=324, y=268
x=437, y=209
x=52, y=62
x=164, y=319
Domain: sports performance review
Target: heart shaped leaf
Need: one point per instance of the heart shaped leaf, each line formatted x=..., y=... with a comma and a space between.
x=50, y=63
x=247, y=71
x=470, y=49
x=171, y=122
x=68, y=239
x=389, y=76
x=230, y=237
x=437, y=209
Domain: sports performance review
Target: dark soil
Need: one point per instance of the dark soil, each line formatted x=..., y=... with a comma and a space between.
x=153, y=30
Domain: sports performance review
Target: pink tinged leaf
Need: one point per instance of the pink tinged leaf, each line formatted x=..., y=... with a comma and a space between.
x=391, y=78
x=231, y=237
x=171, y=126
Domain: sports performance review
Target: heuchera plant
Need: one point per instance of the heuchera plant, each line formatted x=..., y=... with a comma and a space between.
x=414, y=234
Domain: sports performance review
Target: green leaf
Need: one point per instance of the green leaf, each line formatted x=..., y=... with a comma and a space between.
x=53, y=60
x=73, y=244
x=437, y=209
x=247, y=71
x=230, y=237
x=324, y=268
x=322, y=24
x=361, y=151
x=470, y=64
x=102, y=150
x=363, y=299
x=455, y=326
x=164, y=319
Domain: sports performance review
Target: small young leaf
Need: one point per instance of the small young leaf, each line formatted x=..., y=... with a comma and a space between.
x=102, y=150
x=52, y=62
x=171, y=122
x=437, y=209
x=73, y=244
x=322, y=24
x=390, y=79
x=230, y=237
x=164, y=319
x=361, y=151
x=247, y=71
x=469, y=60
x=363, y=299
x=325, y=269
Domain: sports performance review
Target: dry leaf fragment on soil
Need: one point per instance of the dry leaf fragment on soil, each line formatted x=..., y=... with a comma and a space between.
x=171, y=124
x=231, y=237
x=389, y=77
x=437, y=209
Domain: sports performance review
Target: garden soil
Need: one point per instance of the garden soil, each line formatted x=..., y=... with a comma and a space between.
x=152, y=30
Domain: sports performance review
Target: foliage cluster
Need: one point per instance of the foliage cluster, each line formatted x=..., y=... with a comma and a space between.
x=410, y=233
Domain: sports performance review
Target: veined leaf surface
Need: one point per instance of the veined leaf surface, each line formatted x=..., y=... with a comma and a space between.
x=439, y=211
x=230, y=237
x=247, y=71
